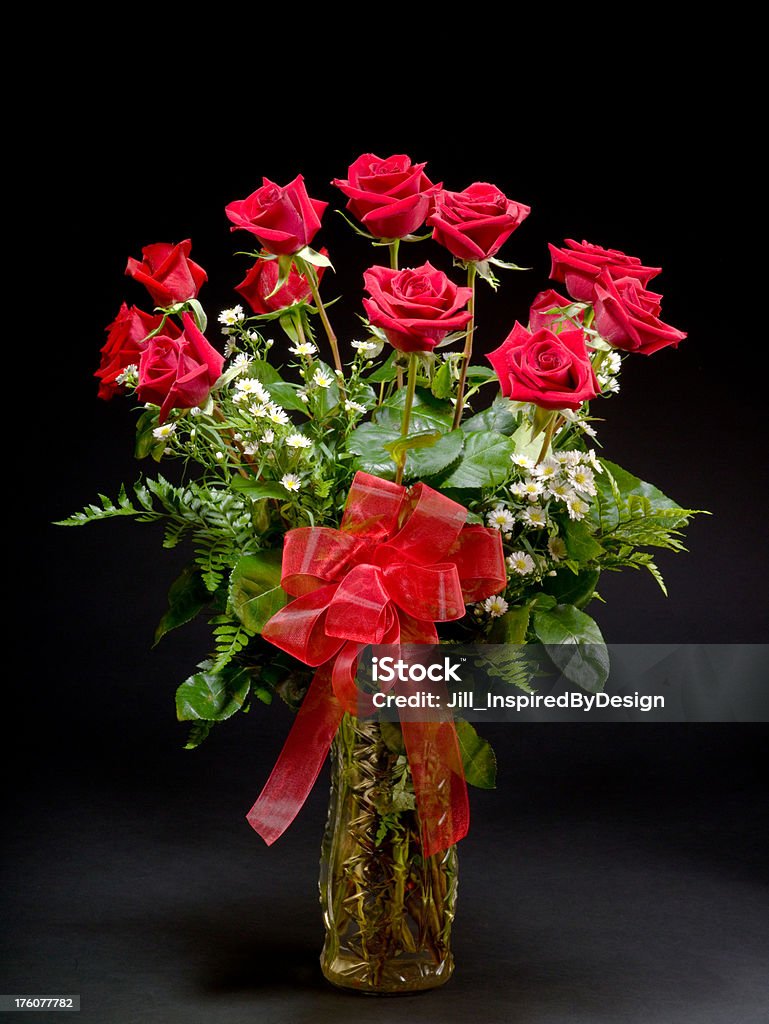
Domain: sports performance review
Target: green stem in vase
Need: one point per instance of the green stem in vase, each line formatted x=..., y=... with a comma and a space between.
x=468, y=350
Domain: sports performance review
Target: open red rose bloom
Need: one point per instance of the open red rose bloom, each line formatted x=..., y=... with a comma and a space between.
x=401, y=561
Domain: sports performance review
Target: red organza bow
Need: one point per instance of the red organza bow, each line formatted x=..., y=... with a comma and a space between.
x=401, y=561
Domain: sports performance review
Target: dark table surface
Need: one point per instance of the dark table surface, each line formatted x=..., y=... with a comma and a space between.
x=618, y=883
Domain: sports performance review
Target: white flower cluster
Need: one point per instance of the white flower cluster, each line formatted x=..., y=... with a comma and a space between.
x=231, y=317
x=608, y=372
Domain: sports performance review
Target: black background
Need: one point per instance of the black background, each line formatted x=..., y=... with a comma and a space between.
x=618, y=873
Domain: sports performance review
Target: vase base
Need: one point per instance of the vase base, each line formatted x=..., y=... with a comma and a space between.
x=392, y=979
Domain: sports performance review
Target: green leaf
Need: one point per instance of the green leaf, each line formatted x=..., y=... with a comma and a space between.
x=356, y=228
x=427, y=413
x=258, y=488
x=524, y=445
x=288, y=324
x=198, y=733
x=575, y=645
x=504, y=265
x=485, y=461
x=212, y=696
x=478, y=757
x=441, y=385
x=386, y=372
x=401, y=445
x=499, y=417
x=186, y=597
x=511, y=627
x=368, y=442
x=392, y=737
x=285, y=394
x=572, y=588
x=145, y=441
x=481, y=373
x=199, y=314
x=631, y=485
x=255, y=590
x=264, y=371
x=317, y=259
x=428, y=461
x=580, y=543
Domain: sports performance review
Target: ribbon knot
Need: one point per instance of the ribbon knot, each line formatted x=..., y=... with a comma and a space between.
x=400, y=562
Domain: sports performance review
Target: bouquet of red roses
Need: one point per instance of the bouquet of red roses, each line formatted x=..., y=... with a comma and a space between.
x=388, y=489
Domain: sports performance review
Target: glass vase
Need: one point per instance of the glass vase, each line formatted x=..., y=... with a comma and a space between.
x=387, y=909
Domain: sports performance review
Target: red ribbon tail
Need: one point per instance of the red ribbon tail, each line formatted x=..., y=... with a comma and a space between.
x=300, y=760
x=440, y=788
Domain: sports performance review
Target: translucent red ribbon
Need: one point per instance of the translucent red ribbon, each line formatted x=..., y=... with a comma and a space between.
x=401, y=561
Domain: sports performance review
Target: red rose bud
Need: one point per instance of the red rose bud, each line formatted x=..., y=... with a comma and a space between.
x=548, y=310
x=474, y=224
x=284, y=219
x=627, y=316
x=580, y=265
x=258, y=285
x=391, y=198
x=178, y=372
x=167, y=272
x=551, y=370
x=125, y=341
x=415, y=308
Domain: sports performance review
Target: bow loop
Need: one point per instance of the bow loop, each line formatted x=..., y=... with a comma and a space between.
x=358, y=608
x=314, y=556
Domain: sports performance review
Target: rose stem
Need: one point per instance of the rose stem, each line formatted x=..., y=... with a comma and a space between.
x=410, y=388
x=394, y=244
x=548, y=437
x=468, y=351
x=313, y=280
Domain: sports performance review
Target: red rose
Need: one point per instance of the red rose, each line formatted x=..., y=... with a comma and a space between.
x=580, y=265
x=391, y=197
x=124, y=346
x=627, y=316
x=258, y=284
x=178, y=372
x=167, y=272
x=474, y=224
x=551, y=370
x=541, y=315
x=415, y=308
x=284, y=219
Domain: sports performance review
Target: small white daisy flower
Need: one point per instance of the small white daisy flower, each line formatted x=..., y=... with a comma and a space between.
x=303, y=396
x=196, y=411
x=237, y=437
x=229, y=346
x=219, y=455
x=230, y=317
x=322, y=379
x=254, y=336
x=253, y=387
x=251, y=448
x=534, y=516
x=303, y=348
x=269, y=343
x=517, y=489
x=500, y=519
x=129, y=376
x=586, y=428
x=298, y=441
x=275, y=414
x=521, y=562
x=577, y=508
x=164, y=432
x=258, y=410
x=592, y=458
x=523, y=461
x=365, y=346
x=560, y=491
x=557, y=548
x=495, y=606
x=613, y=363
x=354, y=407
x=268, y=436
x=532, y=489
x=582, y=479
x=291, y=481
x=547, y=469
x=241, y=362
